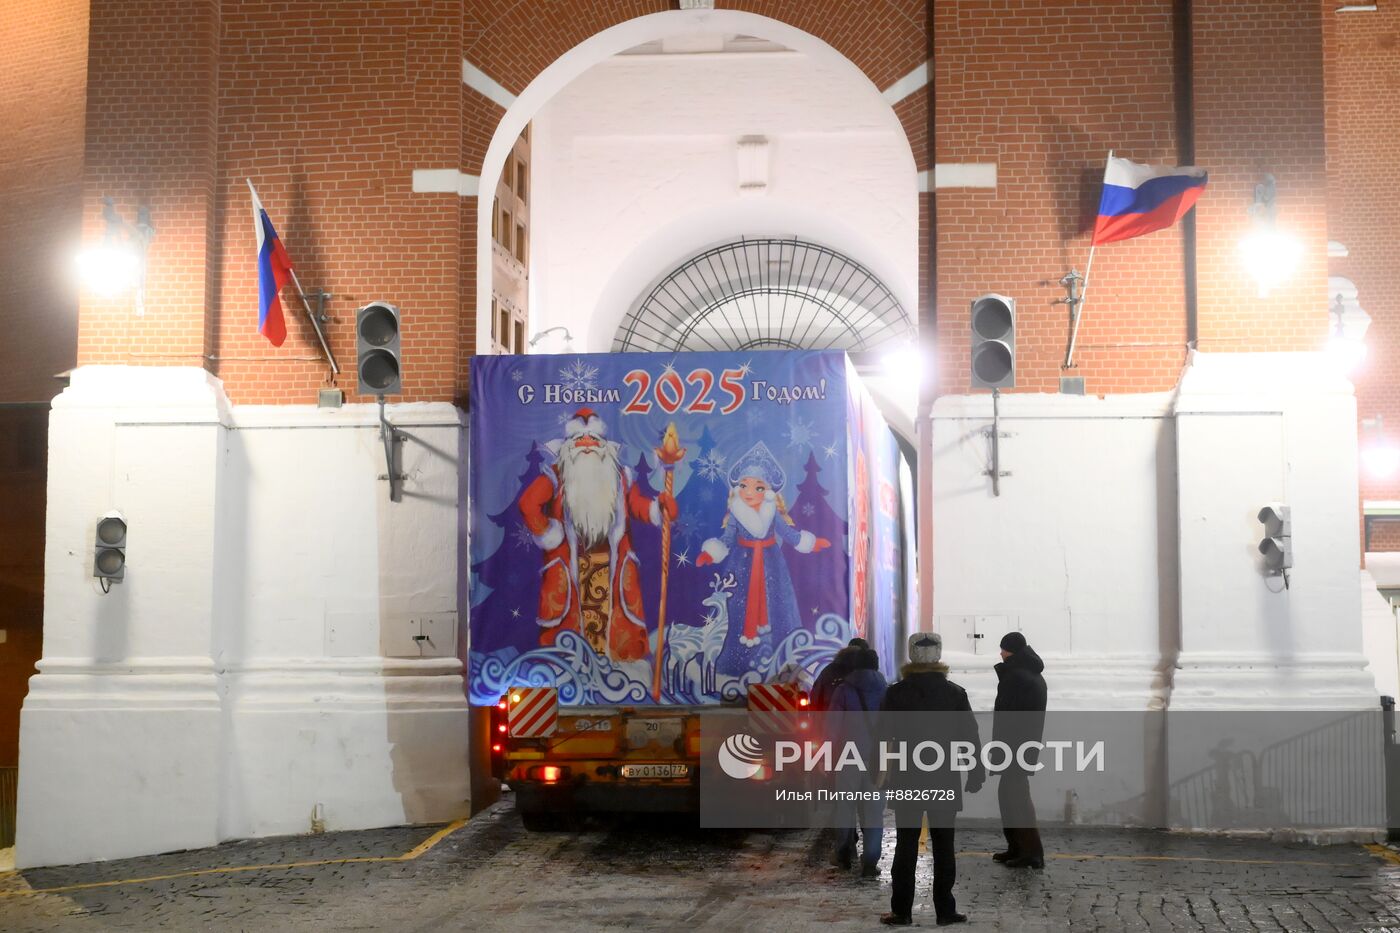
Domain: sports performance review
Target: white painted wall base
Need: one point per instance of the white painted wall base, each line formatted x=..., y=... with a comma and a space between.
x=1081, y=682
x=118, y=760
x=1378, y=623
x=370, y=742
x=237, y=680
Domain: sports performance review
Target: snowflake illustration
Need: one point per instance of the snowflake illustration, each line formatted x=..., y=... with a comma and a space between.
x=711, y=467
x=799, y=432
x=746, y=368
x=522, y=538
x=580, y=377
x=515, y=613
x=754, y=417
x=809, y=509
x=683, y=559
x=707, y=496
x=517, y=374
x=830, y=450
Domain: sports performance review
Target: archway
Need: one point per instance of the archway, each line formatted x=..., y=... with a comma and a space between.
x=898, y=271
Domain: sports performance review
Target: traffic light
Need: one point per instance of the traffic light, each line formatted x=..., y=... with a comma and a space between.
x=109, y=550
x=377, y=346
x=1277, y=546
x=994, y=342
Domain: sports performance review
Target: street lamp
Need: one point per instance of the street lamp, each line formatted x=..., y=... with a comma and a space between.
x=1270, y=255
x=118, y=264
x=568, y=337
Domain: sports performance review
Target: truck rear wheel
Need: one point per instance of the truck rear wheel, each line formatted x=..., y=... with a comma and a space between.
x=547, y=821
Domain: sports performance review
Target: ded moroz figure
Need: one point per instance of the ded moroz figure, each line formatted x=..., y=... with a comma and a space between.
x=579, y=512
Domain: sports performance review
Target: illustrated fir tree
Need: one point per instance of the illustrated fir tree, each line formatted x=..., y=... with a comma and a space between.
x=646, y=544
x=812, y=512
x=700, y=504
x=511, y=573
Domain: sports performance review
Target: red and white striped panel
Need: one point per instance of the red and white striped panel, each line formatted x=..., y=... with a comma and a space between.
x=535, y=713
x=774, y=707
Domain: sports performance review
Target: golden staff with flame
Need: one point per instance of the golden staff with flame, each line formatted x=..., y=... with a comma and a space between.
x=669, y=454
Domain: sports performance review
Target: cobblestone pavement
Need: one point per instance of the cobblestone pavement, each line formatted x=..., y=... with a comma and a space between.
x=490, y=875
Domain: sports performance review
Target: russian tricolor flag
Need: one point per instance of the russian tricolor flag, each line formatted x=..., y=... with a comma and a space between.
x=1139, y=199
x=274, y=271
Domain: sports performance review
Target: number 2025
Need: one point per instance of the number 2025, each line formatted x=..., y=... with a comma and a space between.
x=692, y=394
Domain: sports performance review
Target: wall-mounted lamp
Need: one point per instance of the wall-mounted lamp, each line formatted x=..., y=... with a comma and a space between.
x=1347, y=325
x=568, y=338
x=1270, y=255
x=118, y=264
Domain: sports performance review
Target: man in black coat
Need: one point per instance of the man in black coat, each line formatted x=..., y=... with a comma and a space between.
x=1019, y=718
x=924, y=688
x=841, y=665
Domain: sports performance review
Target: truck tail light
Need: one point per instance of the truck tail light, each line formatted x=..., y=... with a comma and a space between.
x=497, y=731
x=548, y=774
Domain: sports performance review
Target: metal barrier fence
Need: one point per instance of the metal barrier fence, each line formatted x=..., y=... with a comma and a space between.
x=1334, y=775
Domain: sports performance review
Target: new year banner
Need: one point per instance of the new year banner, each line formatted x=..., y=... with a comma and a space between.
x=665, y=528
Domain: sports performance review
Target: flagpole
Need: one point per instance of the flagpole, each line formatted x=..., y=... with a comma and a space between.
x=1079, y=309
x=315, y=324
x=1084, y=290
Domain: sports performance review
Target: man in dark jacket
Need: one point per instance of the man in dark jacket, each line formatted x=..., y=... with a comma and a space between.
x=829, y=676
x=1019, y=718
x=924, y=687
x=857, y=698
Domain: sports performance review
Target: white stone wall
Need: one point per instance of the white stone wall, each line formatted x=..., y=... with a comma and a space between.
x=1124, y=542
x=256, y=669
x=1078, y=552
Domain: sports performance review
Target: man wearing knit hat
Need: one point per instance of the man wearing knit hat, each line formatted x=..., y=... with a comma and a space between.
x=924, y=687
x=1019, y=718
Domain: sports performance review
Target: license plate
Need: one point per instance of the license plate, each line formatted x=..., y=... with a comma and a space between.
x=655, y=771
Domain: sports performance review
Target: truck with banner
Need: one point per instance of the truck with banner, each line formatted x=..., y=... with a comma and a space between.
x=653, y=534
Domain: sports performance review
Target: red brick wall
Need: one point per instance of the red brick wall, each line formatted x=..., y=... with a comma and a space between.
x=1364, y=207
x=1045, y=91
x=1259, y=93
x=42, y=78
x=331, y=108
x=151, y=121
x=1385, y=536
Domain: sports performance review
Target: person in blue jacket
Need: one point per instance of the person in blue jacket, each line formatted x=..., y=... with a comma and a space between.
x=856, y=697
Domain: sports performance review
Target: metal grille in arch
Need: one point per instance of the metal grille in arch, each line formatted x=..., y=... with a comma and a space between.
x=757, y=294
